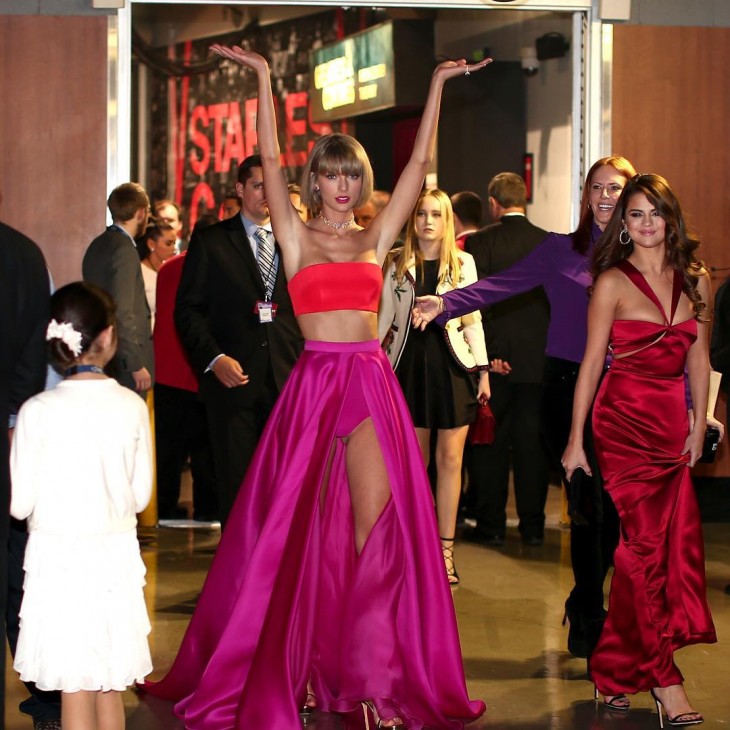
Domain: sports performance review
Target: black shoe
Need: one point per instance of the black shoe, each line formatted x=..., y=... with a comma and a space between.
x=47, y=724
x=583, y=632
x=205, y=517
x=533, y=540
x=177, y=513
x=482, y=537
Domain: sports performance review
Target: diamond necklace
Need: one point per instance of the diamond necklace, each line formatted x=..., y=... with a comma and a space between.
x=336, y=224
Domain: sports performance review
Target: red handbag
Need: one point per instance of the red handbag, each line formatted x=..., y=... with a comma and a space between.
x=481, y=432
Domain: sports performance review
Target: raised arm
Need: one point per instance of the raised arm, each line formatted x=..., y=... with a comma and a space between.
x=388, y=224
x=285, y=220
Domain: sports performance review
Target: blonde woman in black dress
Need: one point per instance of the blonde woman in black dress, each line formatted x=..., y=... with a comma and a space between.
x=436, y=368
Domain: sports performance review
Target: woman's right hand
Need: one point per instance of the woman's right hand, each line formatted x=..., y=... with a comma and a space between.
x=243, y=58
x=574, y=457
x=426, y=310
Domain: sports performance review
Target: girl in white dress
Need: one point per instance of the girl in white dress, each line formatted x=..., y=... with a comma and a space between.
x=81, y=469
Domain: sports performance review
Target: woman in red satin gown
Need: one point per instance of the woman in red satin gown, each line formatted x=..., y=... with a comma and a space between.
x=649, y=306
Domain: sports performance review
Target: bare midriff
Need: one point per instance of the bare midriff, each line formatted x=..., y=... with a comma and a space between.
x=341, y=325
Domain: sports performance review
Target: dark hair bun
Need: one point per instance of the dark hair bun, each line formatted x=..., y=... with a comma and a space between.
x=80, y=312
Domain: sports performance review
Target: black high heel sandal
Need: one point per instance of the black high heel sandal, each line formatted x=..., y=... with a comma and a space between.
x=684, y=718
x=310, y=703
x=617, y=703
x=448, y=553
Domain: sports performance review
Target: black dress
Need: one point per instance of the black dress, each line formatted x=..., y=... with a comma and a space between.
x=438, y=391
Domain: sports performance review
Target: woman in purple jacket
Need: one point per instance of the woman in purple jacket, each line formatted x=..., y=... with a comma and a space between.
x=560, y=264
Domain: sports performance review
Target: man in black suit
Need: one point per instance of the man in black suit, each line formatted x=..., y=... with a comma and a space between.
x=112, y=262
x=236, y=321
x=515, y=332
x=24, y=302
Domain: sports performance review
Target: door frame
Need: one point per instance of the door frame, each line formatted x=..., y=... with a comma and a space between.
x=591, y=93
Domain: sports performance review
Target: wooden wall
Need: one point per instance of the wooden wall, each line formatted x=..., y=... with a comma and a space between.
x=670, y=112
x=53, y=135
x=671, y=106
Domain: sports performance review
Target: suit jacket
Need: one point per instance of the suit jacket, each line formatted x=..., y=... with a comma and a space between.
x=720, y=341
x=515, y=329
x=215, y=313
x=24, y=303
x=112, y=262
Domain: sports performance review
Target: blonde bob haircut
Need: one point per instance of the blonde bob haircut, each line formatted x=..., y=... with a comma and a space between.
x=340, y=154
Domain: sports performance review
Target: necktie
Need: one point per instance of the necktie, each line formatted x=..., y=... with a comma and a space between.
x=267, y=263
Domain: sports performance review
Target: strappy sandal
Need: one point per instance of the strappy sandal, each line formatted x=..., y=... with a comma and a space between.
x=448, y=553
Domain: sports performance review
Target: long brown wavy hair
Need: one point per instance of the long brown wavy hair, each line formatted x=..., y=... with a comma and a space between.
x=582, y=234
x=680, y=243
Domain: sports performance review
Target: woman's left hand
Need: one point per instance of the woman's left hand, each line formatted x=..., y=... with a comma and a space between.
x=712, y=422
x=484, y=392
x=451, y=69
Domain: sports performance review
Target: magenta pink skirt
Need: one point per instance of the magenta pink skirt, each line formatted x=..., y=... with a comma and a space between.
x=288, y=598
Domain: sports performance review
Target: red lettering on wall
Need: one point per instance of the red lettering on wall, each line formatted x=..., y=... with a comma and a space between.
x=234, y=138
x=296, y=126
x=249, y=125
x=199, y=163
x=202, y=192
x=218, y=112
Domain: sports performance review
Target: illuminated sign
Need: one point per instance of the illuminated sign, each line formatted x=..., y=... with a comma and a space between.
x=353, y=76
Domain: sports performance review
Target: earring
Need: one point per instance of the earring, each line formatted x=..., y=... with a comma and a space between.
x=621, y=236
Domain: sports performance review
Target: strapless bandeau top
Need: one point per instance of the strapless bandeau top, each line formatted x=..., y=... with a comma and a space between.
x=329, y=286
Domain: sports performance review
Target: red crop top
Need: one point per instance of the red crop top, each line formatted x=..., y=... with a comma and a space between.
x=329, y=286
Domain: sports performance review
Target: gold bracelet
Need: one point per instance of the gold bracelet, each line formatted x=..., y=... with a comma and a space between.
x=441, y=304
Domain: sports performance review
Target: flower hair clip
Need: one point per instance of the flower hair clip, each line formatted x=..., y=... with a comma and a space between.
x=65, y=332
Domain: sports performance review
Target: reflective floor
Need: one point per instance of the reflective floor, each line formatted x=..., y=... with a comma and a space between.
x=509, y=606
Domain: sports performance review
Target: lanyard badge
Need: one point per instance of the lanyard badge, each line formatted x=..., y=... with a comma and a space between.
x=266, y=311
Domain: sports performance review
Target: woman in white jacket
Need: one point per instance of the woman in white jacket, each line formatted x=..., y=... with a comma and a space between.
x=436, y=368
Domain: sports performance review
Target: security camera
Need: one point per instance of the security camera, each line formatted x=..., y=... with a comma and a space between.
x=528, y=58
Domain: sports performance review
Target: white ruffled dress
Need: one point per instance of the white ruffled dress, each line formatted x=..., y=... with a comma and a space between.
x=81, y=470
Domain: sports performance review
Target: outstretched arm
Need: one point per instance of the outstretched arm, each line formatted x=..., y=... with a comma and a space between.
x=285, y=220
x=538, y=268
x=391, y=219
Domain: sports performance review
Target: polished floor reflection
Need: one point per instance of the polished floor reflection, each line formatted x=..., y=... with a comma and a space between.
x=509, y=606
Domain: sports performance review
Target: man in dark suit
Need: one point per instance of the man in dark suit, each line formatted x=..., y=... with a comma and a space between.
x=24, y=302
x=515, y=332
x=236, y=321
x=112, y=262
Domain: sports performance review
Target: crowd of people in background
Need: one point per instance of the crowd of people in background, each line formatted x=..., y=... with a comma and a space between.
x=237, y=335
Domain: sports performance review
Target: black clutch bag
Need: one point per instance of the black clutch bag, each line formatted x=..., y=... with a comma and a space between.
x=709, y=447
x=579, y=486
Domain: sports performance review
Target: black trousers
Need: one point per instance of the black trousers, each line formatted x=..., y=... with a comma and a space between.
x=591, y=545
x=517, y=408
x=180, y=431
x=40, y=705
